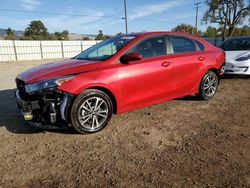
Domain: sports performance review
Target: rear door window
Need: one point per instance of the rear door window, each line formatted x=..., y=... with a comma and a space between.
x=182, y=44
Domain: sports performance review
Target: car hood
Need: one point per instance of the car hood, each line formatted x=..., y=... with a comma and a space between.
x=57, y=69
x=232, y=55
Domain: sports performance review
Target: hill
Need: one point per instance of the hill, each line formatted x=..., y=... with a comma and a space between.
x=72, y=36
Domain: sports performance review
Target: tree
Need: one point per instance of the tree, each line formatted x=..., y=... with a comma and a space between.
x=184, y=28
x=36, y=31
x=244, y=31
x=108, y=36
x=62, y=35
x=10, y=35
x=187, y=28
x=227, y=13
x=211, y=32
x=86, y=38
x=100, y=36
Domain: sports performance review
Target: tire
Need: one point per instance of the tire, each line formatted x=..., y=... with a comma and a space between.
x=209, y=86
x=91, y=111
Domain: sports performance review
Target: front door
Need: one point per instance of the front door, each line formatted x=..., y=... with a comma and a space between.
x=149, y=80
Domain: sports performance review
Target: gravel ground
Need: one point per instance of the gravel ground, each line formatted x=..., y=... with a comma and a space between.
x=180, y=143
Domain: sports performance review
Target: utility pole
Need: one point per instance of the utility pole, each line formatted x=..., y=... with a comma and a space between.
x=126, y=16
x=196, y=17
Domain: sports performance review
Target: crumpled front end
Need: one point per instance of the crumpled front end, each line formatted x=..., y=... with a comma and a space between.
x=44, y=109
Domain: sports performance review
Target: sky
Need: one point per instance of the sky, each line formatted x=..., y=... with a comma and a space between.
x=90, y=16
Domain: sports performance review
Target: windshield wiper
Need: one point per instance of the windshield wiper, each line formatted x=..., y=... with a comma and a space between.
x=81, y=58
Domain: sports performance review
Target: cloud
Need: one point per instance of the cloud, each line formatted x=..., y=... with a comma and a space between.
x=30, y=4
x=150, y=9
x=76, y=24
x=153, y=9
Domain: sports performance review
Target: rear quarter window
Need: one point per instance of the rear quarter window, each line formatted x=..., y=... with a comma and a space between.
x=200, y=46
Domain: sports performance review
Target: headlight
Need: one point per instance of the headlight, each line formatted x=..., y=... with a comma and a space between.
x=47, y=84
x=243, y=58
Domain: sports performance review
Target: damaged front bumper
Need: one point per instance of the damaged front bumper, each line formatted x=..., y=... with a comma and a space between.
x=46, y=111
x=238, y=69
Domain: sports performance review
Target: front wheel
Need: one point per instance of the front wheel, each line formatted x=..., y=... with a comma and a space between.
x=91, y=111
x=209, y=85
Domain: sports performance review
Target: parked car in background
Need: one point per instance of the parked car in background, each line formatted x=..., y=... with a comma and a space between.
x=117, y=75
x=237, y=55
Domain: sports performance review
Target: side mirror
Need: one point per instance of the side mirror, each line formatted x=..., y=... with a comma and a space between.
x=132, y=56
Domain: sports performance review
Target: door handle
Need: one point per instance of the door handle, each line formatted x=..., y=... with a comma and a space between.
x=201, y=58
x=166, y=64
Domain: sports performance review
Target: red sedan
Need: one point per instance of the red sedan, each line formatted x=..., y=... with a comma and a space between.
x=119, y=74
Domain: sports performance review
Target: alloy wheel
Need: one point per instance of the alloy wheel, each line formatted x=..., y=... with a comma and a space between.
x=93, y=113
x=210, y=85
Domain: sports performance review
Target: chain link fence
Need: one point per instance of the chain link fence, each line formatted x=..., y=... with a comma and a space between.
x=216, y=41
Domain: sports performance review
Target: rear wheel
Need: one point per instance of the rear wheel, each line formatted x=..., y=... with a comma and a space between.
x=91, y=111
x=209, y=86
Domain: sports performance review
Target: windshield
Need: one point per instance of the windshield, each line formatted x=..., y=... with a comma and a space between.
x=106, y=49
x=236, y=44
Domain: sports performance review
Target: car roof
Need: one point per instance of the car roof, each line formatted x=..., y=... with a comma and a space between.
x=147, y=34
x=159, y=33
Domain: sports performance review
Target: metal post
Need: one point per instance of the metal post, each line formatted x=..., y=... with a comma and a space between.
x=196, y=16
x=41, y=49
x=14, y=45
x=81, y=46
x=62, y=49
x=126, y=16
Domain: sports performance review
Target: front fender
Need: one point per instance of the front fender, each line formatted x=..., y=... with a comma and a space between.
x=106, y=80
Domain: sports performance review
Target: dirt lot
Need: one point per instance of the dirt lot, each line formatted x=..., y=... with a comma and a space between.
x=180, y=143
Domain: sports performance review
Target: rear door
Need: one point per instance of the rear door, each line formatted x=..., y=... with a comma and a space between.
x=189, y=58
x=148, y=80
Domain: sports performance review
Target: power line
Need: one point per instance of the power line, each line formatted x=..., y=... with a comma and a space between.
x=155, y=20
x=53, y=13
x=126, y=18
